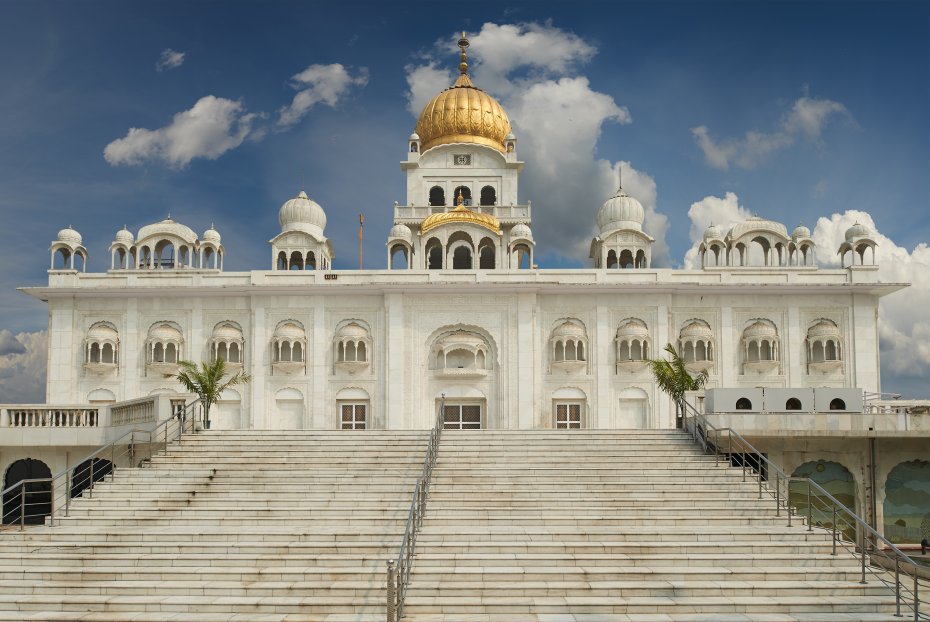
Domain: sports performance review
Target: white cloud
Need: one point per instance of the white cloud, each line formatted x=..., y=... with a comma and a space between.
x=169, y=59
x=212, y=127
x=723, y=212
x=319, y=84
x=807, y=118
x=558, y=118
x=9, y=344
x=424, y=82
x=904, y=326
x=22, y=373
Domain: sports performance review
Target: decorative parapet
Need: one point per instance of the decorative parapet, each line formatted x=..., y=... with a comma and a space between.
x=37, y=416
x=135, y=411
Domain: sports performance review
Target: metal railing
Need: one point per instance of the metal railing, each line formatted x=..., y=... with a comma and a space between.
x=398, y=572
x=805, y=498
x=41, y=500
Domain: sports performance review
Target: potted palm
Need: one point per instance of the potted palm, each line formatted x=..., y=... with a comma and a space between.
x=674, y=379
x=207, y=381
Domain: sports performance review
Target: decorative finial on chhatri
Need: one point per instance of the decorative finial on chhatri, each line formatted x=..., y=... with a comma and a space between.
x=460, y=200
x=463, y=45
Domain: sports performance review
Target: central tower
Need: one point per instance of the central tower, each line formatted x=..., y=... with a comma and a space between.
x=462, y=176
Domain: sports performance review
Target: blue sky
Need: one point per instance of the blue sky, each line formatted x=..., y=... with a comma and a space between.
x=809, y=109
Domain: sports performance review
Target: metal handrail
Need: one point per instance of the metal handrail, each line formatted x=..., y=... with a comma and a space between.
x=398, y=572
x=875, y=553
x=128, y=448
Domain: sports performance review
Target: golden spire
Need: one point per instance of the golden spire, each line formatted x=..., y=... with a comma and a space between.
x=460, y=200
x=463, y=79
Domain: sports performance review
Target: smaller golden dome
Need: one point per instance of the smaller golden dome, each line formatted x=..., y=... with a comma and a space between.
x=461, y=214
x=463, y=113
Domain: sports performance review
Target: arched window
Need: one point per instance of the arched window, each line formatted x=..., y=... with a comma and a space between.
x=837, y=404
x=626, y=259
x=568, y=344
x=352, y=343
x=282, y=261
x=611, y=259
x=37, y=503
x=488, y=196
x=486, y=257
x=464, y=192
x=743, y=403
x=434, y=254
x=88, y=473
x=227, y=343
x=793, y=403
x=461, y=258
x=399, y=259
x=437, y=196
x=297, y=261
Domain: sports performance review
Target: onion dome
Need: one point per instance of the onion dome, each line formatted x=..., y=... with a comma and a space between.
x=713, y=232
x=102, y=333
x=302, y=214
x=756, y=224
x=70, y=236
x=569, y=330
x=165, y=333
x=414, y=136
x=288, y=331
x=227, y=332
x=124, y=236
x=353, y=331
x=510, y=136
x=463, y=113
x=858, y=230
x=696, y=329
x=462, y=215
x=401, y=232
x=620, y=211
x=520, y=230
x=760, y=330
x=168, y=227
x=823, y=328
x=211, y=235
x=634, y=328
x=800, y=232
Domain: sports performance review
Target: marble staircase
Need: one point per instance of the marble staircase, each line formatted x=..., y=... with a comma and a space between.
x=251, y=526
x=597, y=526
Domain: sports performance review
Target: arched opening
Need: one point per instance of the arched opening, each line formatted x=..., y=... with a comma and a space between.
x=297, y=261
x=32, y=502
x=282, y=261
x=461, y=258
x=62, y=259
x=399, y=259
x=759, y=252
x=689, y=353
x=461, y=359
x=641, y=259
x=486, y=257
x=753, y=353
x=837, y=404
x=87, y=472
x=310, y=261
x=765, y=351
x=836, y=480
x=107, y=354
x=234, y=354
x=793, y=403
x=831, y=353
x=437, y=196
x=743, y=403
x=907, y=502
x=700, y=352
x=524, y=258
x=170, y=353
x=434, y=254
x=817, y=352
x=611, y=259
x=488, y=196
x=464, y=192
x=626, y=259
x=158, y=352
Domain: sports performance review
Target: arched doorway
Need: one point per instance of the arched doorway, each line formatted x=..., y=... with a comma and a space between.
x=37, y=496
x=83, y=474
x=634, y=409
x=907, y=502
x=226, y=414
x=289, y=410
x=835, y=479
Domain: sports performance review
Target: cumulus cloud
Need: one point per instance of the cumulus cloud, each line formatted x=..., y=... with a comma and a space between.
x=169, y=59
x=22, y=371
x=723, y=212
x=904, y=326
x=806, y=119
x=212, y=127
x=319, y=84
x=9, y=344
x=557, y=117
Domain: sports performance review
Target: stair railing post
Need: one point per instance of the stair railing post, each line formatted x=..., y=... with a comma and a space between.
x=916, y=599
x=68, y=483
x=834, y=530
x=90, y=484
x=22, y=506
x=864, y=544
x=897, y=586
x=391, y=593
x=777, y=491
x=810, y=512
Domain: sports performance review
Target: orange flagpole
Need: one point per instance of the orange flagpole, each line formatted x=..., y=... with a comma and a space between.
x=361, y=224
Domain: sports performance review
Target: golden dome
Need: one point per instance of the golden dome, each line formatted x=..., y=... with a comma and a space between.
x=463, y=113
x=461, y=214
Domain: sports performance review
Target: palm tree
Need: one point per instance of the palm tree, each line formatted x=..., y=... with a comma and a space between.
x=675, y=379
x=207, y=382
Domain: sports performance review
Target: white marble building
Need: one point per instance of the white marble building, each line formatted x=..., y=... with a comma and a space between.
x=462, y=310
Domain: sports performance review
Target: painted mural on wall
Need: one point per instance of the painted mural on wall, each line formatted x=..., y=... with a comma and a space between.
x=907, y=502
x=836, y=480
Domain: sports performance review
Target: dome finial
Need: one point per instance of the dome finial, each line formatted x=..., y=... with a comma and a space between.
x=463, y=45
x=460, y=200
